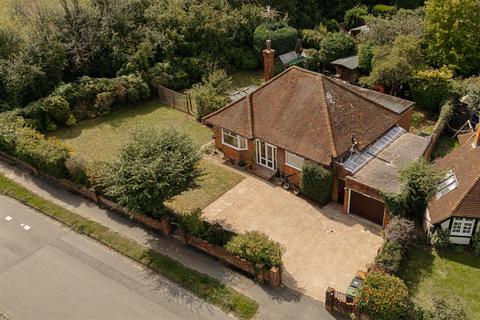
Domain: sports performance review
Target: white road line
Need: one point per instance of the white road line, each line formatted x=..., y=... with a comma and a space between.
x=8, y=218
x=27, y=227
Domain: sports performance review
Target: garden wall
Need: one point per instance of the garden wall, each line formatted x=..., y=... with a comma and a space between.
x=164, y=226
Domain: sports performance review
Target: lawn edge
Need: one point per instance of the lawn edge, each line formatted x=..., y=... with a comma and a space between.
x=203, y=286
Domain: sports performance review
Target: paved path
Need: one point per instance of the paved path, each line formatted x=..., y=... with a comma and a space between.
x=274, y=304
x=50, y=272
x=324, y=246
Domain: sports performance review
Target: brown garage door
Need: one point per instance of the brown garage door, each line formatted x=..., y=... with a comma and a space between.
x=366, y=207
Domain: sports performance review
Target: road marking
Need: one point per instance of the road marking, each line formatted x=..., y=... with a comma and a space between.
x=27, y=227
x=8, y=218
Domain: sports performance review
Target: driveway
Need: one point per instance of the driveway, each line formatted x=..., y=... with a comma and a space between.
x=324, y=247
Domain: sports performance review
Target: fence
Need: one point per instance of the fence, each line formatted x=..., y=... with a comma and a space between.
x=336, y=301
x=179, y=101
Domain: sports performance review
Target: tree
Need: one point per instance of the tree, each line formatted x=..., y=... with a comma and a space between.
x=336, y=45
x=430, y=88
x=452, y=34
x=365, y=56
x=355, y=16
x=151, y=168
x=420, y=182
x=284, y=38
x=211, y=94
x=382, y=296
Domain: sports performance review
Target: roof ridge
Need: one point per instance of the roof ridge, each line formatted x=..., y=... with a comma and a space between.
x=343, y=85
x=465, y=194
x=329, y=126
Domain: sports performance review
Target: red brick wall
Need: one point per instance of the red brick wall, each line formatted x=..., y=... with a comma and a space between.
x=405, y=119
x=232, y=153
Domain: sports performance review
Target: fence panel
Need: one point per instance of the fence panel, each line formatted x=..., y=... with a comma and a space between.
x=179, y=101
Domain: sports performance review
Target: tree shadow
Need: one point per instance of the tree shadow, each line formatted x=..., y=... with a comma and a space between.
x=417, y=265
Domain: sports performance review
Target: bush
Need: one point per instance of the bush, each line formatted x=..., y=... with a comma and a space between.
x=382, y=296
x=430, y=88
x=316, y=182
x=192, y=223
x=400, y=230
x=365, y=56
x=256, y=247
x=440, y=239
x=151, y=168
x=18, y=140
x=476, y=243
x=336, y=45
x=247, y=59
x=447, y=310
x=314, y=59
x=383, y=10
x=284, y=38
x=355, y=16
x=59, y=109
x=312, y=38
x=390, y=257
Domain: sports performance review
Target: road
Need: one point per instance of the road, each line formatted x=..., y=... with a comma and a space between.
x=49, y=272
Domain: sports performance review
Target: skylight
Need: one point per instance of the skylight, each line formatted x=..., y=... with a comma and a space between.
x=359, y=159
x=448, y=184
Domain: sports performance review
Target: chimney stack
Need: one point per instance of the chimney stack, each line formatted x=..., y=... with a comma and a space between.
x=268, y=61
x=476, y=141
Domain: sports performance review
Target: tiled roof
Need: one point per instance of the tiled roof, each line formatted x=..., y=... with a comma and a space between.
x=309, y=114
x=464, y=200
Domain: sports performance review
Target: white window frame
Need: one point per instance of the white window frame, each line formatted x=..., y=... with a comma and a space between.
x=448, y=183
x=293, y=155
x=461, y=223
x=235, y=136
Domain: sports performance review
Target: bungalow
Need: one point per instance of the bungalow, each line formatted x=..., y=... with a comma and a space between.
x=456, y=205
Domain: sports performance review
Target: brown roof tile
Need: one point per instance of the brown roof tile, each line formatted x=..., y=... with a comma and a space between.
x=463, y=201
x=307, y=113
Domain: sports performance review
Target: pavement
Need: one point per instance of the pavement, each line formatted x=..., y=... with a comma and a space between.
x=281, y=303
x=50, y=272
x=323, y=246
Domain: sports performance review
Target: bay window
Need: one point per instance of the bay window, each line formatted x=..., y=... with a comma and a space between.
x=233, y=140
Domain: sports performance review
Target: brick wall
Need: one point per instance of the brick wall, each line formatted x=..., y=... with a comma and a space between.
x=405, y=119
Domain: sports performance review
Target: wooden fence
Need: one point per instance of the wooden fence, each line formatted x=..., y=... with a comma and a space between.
x=177, y=100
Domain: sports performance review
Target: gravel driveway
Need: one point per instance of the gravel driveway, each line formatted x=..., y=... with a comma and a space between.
x=324, y=247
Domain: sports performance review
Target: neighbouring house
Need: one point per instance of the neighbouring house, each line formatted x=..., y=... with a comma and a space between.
x=456, y=205
x=360, y=134
x=347, y=69
x=358, y=30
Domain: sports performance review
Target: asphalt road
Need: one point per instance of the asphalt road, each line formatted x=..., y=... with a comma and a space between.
x=49, y=272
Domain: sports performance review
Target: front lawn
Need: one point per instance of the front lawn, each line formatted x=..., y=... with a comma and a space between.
x=102, y=138
x=428, y=274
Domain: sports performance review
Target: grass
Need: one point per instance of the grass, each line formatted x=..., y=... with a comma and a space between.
x=102, y=138
x=244, y=79
x=205, y=287
x=422, y=122
x=444, y=146
x=428, y=274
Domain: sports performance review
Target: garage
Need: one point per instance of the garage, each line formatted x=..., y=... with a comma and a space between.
x=366, y=207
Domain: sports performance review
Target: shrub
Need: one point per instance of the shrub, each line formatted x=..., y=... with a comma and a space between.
x=151, y=168
x=77, y=170
x=59, y=109
x=192, y=223
x=383, y=9
x=396, y=203
x=256, y=247
x=382, y=296
x=355, y=16
x=316, y=182
x=440, y=239
x=314, y=59
x=365, y=56
x=431, y=87
x=390, y=257
x=445, y=310
x=312, y=38
x=476, y=243
x=247, y=59
x=336, y=45
x=284, y=38
x=400, y=230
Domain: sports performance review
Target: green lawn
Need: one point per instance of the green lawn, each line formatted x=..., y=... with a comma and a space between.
x=102, y=138
x=428, y=274
x=422, y=122
x=244, y=79
x=444, y=146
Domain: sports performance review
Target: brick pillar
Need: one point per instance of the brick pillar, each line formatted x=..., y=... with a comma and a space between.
x=329, y=297
x=275, y=277
x=268, y=62
x=476, y=142
x=165, y=223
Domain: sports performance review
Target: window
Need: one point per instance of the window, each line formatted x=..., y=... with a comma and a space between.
x=448, y=184
x=233, y=140
x=462, y=227
x=294, y=161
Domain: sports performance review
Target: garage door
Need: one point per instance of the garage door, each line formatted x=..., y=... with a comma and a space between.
x=366, y=207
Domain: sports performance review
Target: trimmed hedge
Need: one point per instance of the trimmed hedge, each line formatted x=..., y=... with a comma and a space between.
x=284, y=38
x=383, y=9
x=25, y=143
x=390, y=257
x=193, y=225
x=316, y=182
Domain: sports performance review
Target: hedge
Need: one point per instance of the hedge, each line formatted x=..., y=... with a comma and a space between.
x=25, y=143
x=430, y=88
x=284, y=38
x=316, y=182
x=383, y=9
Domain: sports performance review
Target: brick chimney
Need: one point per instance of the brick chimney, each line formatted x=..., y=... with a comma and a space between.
x=476, y=141
x=268, y=61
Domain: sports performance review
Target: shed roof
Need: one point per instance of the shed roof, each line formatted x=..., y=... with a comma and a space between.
x=382, y=172
x=307, y=113
x=348, y=62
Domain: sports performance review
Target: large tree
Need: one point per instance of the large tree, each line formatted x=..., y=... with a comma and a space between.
x=453, y=35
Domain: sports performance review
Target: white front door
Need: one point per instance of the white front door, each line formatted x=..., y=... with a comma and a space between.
x=266, y=155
